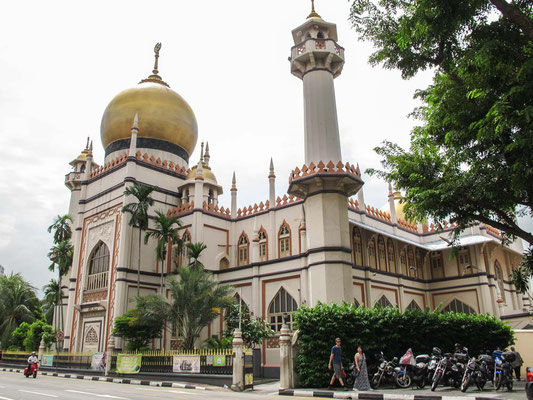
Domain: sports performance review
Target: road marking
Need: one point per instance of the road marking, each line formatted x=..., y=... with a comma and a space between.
x=108, y=396
x=5, y=398
x=40, y=394
x=171, y=391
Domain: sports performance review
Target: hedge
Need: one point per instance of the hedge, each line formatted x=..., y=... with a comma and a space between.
x=388, y=330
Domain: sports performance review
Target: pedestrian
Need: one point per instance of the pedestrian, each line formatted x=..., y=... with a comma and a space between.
x=361, y=382
x=517, y=363
x=335, y=361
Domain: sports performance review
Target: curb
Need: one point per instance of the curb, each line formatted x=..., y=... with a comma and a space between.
x=114, y=380
x=373, y=396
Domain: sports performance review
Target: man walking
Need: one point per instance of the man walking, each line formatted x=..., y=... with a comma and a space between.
x=335, y=359
x=517, y=363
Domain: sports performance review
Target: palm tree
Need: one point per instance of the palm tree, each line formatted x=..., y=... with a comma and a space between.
x=61, y=228
x=61, y=255
x=194, y=251
x=18, y=303
x=139, y=215
x=52, y=292
x=165, y=233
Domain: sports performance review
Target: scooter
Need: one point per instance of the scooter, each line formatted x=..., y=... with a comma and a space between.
x=503, y=372
x=31, y=370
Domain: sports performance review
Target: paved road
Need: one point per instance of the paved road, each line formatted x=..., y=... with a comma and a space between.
x=14, y=386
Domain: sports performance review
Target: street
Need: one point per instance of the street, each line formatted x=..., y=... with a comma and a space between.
x=14, y=386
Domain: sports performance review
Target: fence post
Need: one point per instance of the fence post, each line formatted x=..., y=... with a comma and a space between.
x=109, y=354
x=238, y=361
x=41, y=351
x=285, y=358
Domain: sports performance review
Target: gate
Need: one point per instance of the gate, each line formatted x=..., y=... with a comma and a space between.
x=248, y=370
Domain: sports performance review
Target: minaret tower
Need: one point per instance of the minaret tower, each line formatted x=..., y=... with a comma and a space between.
x=317, y=60
x=324, y=182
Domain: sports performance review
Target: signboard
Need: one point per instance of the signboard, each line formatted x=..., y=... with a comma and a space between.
x=219, y=360
x=248, y=370
x=98, y=362
x=60, y=336
x=186, y=363
x=129, y=363
x=47, y=360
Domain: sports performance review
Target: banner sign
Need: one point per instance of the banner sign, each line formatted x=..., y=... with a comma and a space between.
x=98, y=362
x=219, y=360
x=47, y=360
x=129, y=363
x=186, y=363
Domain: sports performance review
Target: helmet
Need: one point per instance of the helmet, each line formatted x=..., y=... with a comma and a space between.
x=457, y=345
x=436, y=351
x=32, y=353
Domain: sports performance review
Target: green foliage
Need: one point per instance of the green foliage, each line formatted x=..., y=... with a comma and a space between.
x=523, y=275
x=216, y=343
x=19, y=334
x=193, y=251
x=61, y=228
x=165, y=232
x=139, y=209
x=253, y=329
x=470, y=159
x=387, y=330
x=61, y=256
x=37, y=331
x=52, y=295
x=137, y=329
x=18, y=303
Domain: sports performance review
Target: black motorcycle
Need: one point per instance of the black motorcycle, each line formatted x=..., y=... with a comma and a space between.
x=385, y=373
x=442, y=371
x=477, y=372
x=406, y=375
x=503, y=371
x=436, y=355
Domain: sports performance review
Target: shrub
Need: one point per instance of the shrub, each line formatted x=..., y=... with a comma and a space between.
x=37, y=331
x=387, y=330
x=18, y=336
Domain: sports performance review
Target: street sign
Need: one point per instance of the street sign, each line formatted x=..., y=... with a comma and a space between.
x=60, y=336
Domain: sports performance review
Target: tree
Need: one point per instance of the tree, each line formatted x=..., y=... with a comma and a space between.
x=61, y=255
x=18, y=303
x=61, y=228
x=165, y=232
x=52, y=294
x=143, y=323
x=470, y=159
x=19, y=335
x=39, y=330
x=139, y=216
x=253, y=329
x=194, y=250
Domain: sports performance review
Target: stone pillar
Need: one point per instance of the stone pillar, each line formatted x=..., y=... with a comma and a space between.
x=109, y=354
x=238, y=361
x=285, y=358
x=41, y=351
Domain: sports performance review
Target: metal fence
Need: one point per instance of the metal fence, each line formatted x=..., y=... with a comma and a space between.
x=60, y=360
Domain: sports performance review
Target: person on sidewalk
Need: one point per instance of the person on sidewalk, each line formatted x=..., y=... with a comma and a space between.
x=517, y=363
x=335, y=360
x=361, y=382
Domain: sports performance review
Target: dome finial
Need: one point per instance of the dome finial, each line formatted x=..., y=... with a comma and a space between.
x=202, y=153
x=313, y=12
x=155, y=77
x=207, y=156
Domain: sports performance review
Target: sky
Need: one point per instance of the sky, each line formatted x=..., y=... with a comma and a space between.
x=61, y=62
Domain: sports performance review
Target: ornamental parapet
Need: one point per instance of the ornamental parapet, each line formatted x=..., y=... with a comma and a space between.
x=378, y=214
x=493, y=231
x=407, y=225
x=121, y=159
x=182, y=209
x=215, y=210
x=161, y=164
x=324, y=169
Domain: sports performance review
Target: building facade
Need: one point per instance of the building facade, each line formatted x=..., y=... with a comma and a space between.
x=318, y=242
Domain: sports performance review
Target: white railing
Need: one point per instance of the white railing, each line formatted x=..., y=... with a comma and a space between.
x=97, y=281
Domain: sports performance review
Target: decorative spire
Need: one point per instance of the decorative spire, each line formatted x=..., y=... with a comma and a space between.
x=90, y=153
x=87, y=145
x=155, y=72
x=233, y=182
x=271, y=172
x=206, y=155
x=199, y=171
x=390, y=189
x=202, y=153
x=313, y=12
x=135, y=122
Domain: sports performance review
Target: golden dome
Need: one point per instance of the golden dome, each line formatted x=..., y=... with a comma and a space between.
x=163, y=114
x=206, y=173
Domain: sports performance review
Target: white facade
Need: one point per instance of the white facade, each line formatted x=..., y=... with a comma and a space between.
x=321, y=242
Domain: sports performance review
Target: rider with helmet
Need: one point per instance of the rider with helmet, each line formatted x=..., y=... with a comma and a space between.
x=32, y=359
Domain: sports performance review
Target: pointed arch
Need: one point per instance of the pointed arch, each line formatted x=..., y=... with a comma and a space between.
x=413, y=306
x=263, y=244
x=244, y=306
x=356, y=303
x=186, y=237
x=498, y=276
x=284, y=240
x=357, y=246
x=383, y=302
x=98, y=268
x=282, y=303
x=243, y=249
x=391, y=255
x=411, y=262
x=403, y=260
x=458, y=306
x=382, y=253
x=372, y=256
x=223, y=263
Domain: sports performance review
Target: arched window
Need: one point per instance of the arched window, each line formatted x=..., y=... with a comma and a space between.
x=320, y=35
x=186, y=200
x=186, y=238
x=437, y=268
x=390, y=255
x=244, y=307
x=224, y=263
x=263, y=245
x=498, y=275
x=383, y=302
x=403, y=261
x=372, y=253
x=210, y=197
x=413, y=306
x=411, y=263
x=284, y=240
x=98, y=267
x=357, y=246
x=457, y=306
x=243, y=250
x=382, y=254
x=82, y=169
x=282, y=303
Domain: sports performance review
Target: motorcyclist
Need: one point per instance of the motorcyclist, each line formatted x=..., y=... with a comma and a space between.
x=460, y=349
x=32, y=359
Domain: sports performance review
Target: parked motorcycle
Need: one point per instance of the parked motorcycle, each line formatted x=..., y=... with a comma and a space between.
x=442, y=371
x=413, y=372
x=503, y=372
x=477, y=372
x=436, y=355
x=31, y=370
x=385, y=373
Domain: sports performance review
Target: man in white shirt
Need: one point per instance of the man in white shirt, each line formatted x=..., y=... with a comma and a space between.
x=32, y=359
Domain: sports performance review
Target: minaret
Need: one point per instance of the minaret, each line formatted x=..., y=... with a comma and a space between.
x=317, y=60
x=233, y=196
x=206, y=155
x=272, y=185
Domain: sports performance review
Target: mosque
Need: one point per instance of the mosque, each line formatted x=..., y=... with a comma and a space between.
x=318, y=242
